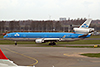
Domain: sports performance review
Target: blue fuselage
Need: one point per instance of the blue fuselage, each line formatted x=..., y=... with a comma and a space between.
x=43, y=35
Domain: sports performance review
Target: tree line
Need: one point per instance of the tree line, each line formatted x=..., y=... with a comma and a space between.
x=49, y=25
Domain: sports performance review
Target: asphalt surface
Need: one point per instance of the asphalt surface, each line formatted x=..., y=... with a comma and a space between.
x=51, y=56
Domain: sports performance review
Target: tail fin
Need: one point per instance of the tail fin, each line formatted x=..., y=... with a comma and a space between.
x=2, y=56
x=83, y=29
x=86, y=24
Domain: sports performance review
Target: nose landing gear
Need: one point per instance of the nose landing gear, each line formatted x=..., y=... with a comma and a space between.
x=15, y=42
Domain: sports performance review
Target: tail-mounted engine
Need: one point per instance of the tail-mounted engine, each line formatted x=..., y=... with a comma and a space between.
x=83, y=30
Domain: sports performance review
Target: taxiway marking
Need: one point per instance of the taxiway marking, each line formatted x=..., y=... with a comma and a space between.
x=24, y=56
x=74, y=55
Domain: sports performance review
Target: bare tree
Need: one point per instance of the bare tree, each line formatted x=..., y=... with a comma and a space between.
x=2, y=23
x=11, y=25
x=58, y=26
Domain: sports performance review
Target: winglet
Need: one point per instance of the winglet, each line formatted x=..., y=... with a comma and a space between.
x=2, y=56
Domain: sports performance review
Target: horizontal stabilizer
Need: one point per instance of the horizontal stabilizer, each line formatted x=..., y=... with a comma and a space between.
x=82, y=35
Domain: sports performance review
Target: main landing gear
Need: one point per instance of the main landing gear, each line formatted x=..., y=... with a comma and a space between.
x=52, y=43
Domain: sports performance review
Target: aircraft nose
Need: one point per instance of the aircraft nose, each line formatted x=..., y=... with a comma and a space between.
x=5, y=36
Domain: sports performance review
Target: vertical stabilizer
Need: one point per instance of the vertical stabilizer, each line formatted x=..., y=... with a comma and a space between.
x=84, y=28
x=2, y=56
x=86, y=24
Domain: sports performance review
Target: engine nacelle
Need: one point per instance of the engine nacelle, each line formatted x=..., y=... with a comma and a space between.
x=91, y=29
x=83, y=30
x=39, y=40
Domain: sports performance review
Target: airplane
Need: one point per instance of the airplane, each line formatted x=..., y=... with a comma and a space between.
x=52, y=37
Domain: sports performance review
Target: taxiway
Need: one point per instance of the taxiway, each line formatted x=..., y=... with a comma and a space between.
x=51, y=56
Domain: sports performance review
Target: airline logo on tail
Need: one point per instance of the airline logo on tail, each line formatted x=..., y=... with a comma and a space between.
x=85, y=26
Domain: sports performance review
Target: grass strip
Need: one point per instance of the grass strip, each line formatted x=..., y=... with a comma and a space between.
x=92, y=55
x=32, y=42
x=1, y=36
x=82, y=42
x=95, y=36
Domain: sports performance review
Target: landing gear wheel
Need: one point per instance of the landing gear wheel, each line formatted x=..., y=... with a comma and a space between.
x=52, y=43
x=15, y=43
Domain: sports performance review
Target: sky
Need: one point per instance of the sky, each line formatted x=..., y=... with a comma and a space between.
x=49, y=9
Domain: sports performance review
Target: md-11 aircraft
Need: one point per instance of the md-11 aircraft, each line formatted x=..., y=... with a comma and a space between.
x=42, y=37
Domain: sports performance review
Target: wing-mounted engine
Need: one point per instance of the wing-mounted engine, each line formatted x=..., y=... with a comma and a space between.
x=83, y=30
x=39, y=40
